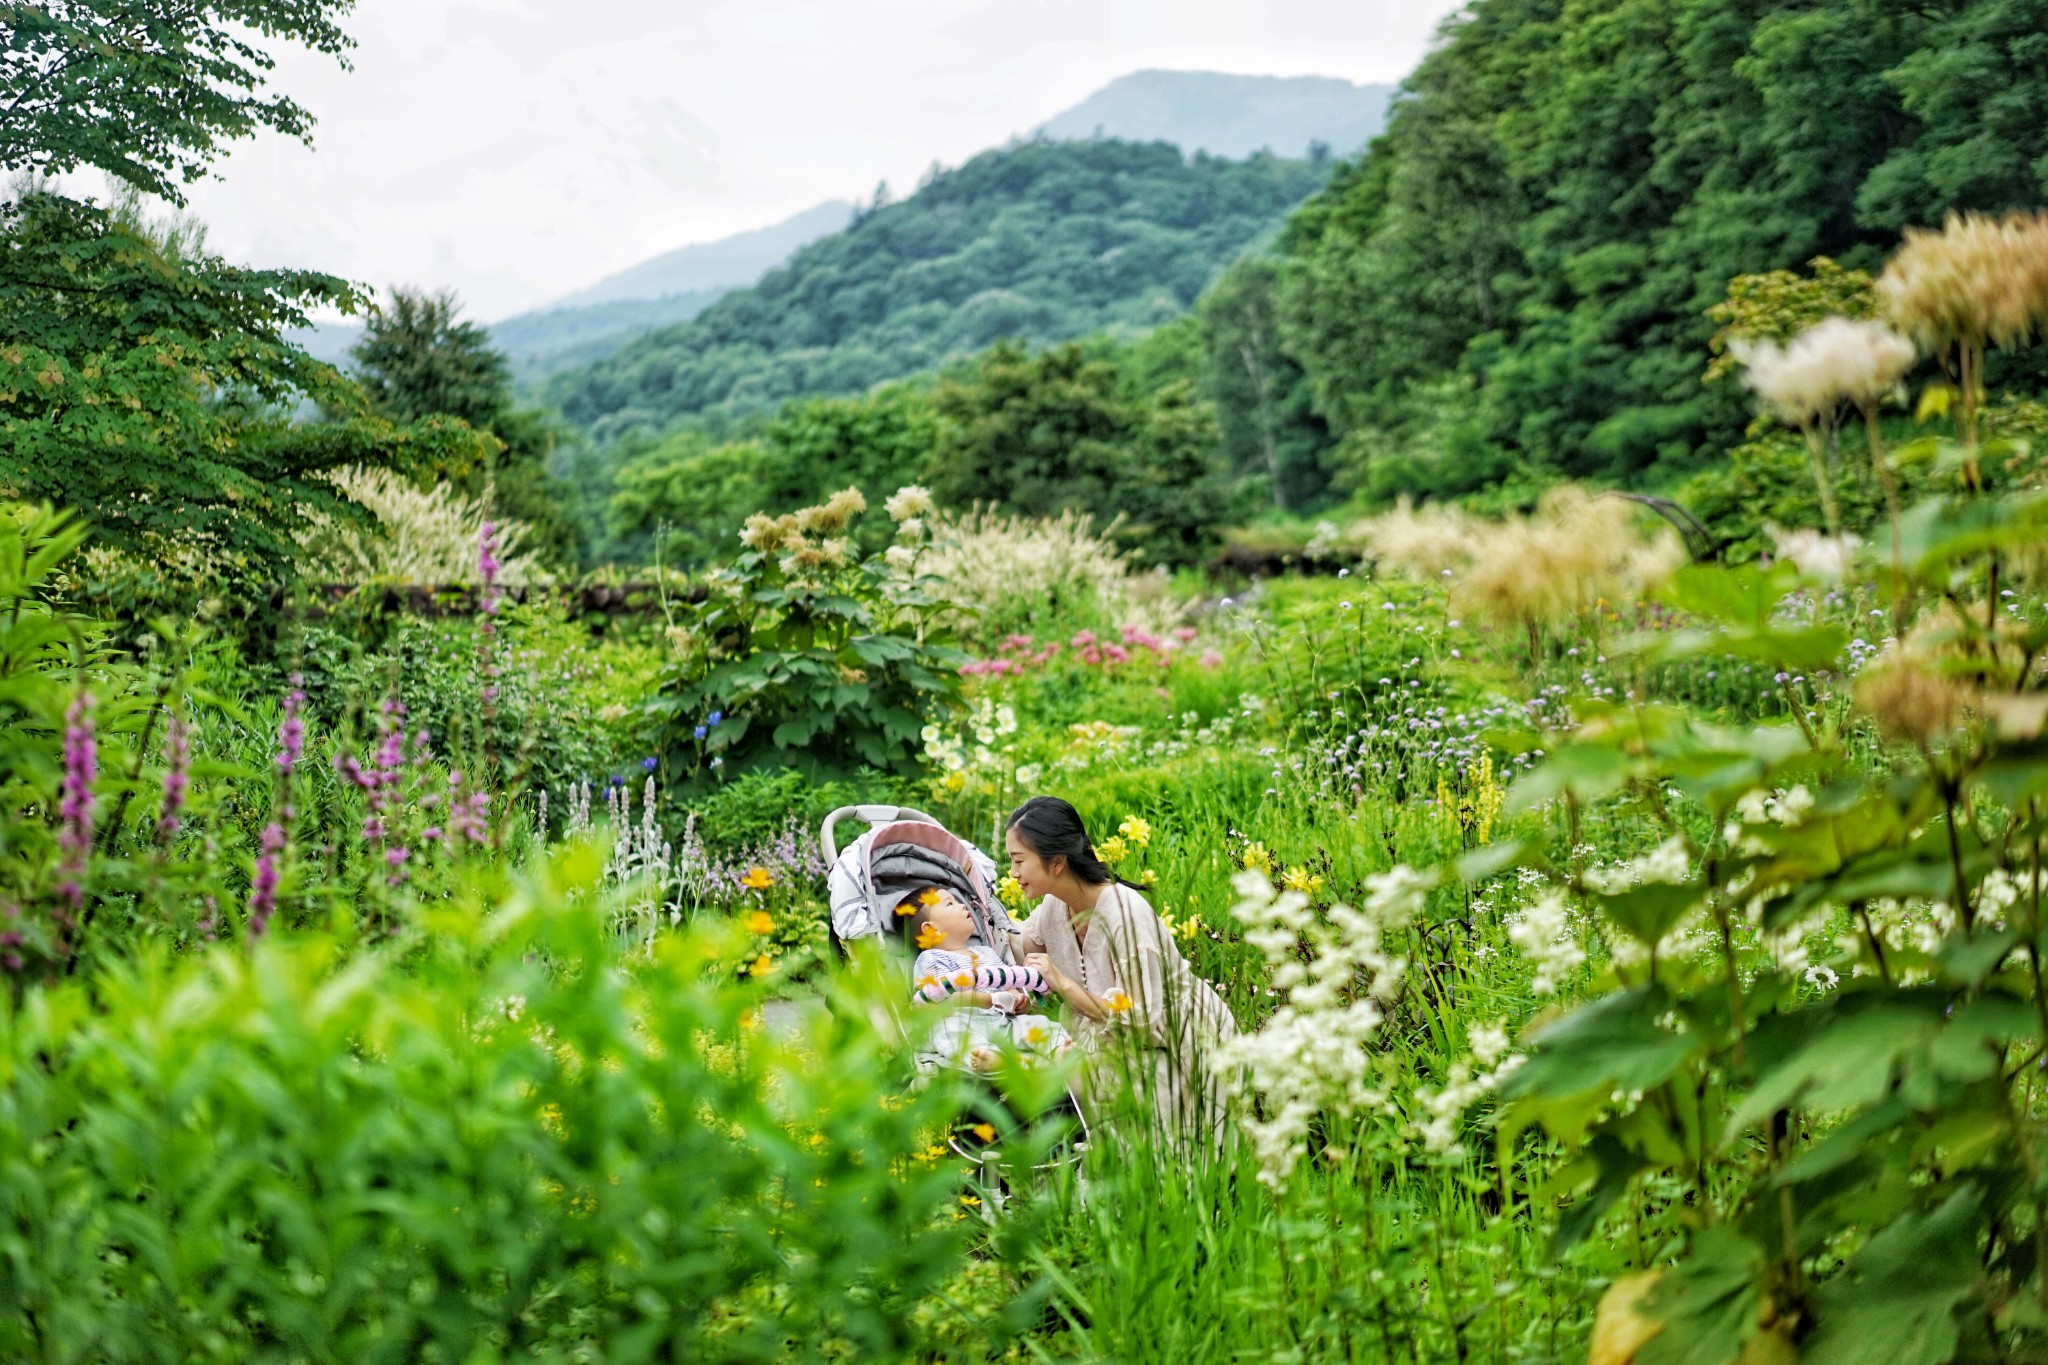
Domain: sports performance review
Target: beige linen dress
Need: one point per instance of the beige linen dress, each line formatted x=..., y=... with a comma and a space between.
x=1156, y=1051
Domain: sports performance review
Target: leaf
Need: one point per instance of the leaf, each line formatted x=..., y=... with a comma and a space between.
x=1708, y=1302
x=1648, y=912
x=1848, y=1062
x=1895, y=1302
x=1616, y=1166
x=1586, y=771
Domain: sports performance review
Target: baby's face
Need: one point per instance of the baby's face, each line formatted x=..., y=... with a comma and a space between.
x=951, y=917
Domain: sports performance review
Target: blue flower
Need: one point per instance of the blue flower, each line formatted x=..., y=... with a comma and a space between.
x=648, y=764
x=717, y=716
x=701, y=731
x=618, y=781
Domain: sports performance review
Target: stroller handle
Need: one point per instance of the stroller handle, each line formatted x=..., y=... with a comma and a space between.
x=868, y=815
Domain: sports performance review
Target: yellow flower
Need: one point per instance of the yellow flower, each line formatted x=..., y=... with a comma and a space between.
x=929, y=896
x=955, y=781
x=970, y=1201
x=758, y=878
x=985, y=1131
x=964, y=980
x=906, y=907
x=930, y=937
x=763, y=965
x=551, y=1118
x=1118, y=1002
x=1257, y=859
x=759, y=922
x=1034, y=1035
x=1148, y=878
x=1137, y=831
x=1011, y=892
x=1113, y=849
x=1302, y=880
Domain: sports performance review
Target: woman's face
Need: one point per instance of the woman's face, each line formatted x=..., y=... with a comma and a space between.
x=1029, y=869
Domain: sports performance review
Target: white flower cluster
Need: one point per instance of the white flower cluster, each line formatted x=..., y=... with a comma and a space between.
x=1471, y=1079
x=1544, y=933
x=1667, y=864
x=986, y=724
x=1310, y=1056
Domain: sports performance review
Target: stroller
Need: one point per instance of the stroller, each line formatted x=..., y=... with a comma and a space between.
x=903, y=852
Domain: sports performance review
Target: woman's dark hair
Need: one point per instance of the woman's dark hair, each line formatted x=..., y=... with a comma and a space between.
x=1053, y=829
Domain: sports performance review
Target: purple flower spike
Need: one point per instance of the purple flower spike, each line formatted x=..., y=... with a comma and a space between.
x=263, y=887
x=177, y=775
x=76, y=805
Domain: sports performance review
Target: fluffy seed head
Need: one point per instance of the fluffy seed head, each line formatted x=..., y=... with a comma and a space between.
x=1977, y=279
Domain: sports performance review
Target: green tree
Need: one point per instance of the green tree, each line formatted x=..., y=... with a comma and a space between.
x=1065, y=428
x=420, y=358
x=1269, y=429
x=155, y=388
x=148, y=90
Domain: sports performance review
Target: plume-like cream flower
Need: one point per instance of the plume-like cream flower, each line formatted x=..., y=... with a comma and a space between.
x=1835, y=361
x=911, y=500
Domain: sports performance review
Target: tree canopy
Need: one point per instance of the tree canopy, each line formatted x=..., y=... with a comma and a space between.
x=1039, y=241
x=1517, y=275
x=148, y=90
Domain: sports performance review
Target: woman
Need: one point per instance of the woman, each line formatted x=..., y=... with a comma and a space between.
x=1147, y=1021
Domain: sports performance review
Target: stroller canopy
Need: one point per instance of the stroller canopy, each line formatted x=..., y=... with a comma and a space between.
x=905, y=852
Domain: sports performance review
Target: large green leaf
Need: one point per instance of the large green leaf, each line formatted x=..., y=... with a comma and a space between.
x=1895, y=1303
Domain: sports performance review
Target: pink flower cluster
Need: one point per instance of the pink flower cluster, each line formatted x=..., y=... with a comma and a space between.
x=177, y=775
x=76, y=804
x=380, y=782
x=487, y=567
x=1018, y=654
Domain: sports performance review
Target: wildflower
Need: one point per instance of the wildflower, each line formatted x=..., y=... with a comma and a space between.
x=759, y=922
x=761, y=966
x=900, y=558
x=1823, y=977
x=291, y=732
x=263, y=885
x=1113, y=849
x=1816, y=555
x=906, y=908
x=1256, y=859
x=649, y=764
x=970, y=1201
x=1136, y=830
x=765, y=534
x=1148, y=878
x=758, y=878
x=1027, y=775
x=1011, y=892
x=909, y=501
x=76, y=804
x=177, y=774
x=930, y=937
x=985, y=1131
x=1302, y=880
x=1543, y=933
x=1835, y=361
x=929, y=896
x=832, y=515
x=1118, y=1002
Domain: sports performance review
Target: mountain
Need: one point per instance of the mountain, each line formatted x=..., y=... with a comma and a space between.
x=726, y=263
x=1226, y=115
x=1040, y=240
x=673, y=287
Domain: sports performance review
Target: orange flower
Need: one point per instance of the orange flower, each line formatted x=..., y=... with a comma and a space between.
x=930, y=936
x=763, y=965
x=985, y=1131
x=906, y=907
x=759, y=922
x=928, y=896
x=1118, y=1002
x=964, y=981
x=758, y=878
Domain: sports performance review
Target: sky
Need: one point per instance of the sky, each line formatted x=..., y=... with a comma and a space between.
x=517, y=150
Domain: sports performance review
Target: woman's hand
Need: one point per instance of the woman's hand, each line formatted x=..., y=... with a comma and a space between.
x=1069, y=989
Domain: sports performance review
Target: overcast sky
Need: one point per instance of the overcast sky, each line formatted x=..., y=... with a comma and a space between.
x=519, y=149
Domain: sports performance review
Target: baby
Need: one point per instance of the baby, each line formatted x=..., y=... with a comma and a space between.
x=994, y=997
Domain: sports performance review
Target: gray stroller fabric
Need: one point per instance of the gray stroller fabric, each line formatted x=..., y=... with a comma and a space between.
x=884, y=867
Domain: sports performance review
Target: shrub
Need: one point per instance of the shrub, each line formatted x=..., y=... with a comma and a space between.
x=421, y=536
x=805, y=653
x=1020, y=575
x=284, y=1154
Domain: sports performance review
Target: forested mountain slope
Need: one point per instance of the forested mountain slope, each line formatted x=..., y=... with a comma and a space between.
x=1513, y=280
x=1041, y=241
